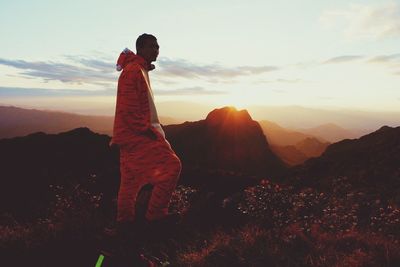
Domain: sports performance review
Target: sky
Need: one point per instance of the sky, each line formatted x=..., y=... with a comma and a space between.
x=320, y=54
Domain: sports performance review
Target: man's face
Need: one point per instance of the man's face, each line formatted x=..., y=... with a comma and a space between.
x=150, y=50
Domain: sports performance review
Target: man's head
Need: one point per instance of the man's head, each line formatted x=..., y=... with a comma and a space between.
x=147, y=47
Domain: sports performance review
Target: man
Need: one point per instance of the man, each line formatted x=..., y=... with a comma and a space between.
x=145, y=155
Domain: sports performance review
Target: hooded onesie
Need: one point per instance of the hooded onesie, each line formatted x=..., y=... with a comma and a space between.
x=146, y=157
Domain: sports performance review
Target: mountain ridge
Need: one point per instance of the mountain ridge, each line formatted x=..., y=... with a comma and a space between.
x=370, y=161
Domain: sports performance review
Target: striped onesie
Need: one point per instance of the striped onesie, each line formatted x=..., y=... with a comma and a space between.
x=146, y=157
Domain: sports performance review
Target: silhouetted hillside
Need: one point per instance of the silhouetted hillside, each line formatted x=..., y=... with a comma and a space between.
x=58, y=194
x=32, y=164
x=372, y=162
x=312, y=147
x=289, y=154
x=227, y=139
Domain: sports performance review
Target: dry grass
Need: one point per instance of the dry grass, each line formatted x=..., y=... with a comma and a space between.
x=283, y=227
x=252, y=245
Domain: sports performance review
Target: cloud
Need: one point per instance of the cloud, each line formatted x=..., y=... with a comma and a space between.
x=290, y=81
x=185, y=69
x=41, y=92
x=343, y=59
x=365, y=21
x=197, y=90
x=390, y=62
x=86, y=70
x=279, y=91
x=163, y=81
x=98, y=65
x=89, y=71
x=384, y=58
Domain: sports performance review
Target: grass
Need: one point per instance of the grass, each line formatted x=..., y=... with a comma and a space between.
x=267, y=225
x=254, y=245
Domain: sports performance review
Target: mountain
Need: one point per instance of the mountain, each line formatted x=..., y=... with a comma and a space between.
x=303, y=150
x=33, y=163
x=289, y=154
x=312, y=147
x=227, y=139
x=293, y=147
x=225, y=152
x=371, y=161
x=331, y=132
x=297, y=117
x=280, y=136
x=16, y=121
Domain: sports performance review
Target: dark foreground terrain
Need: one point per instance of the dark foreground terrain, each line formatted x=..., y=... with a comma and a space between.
x=58, y=193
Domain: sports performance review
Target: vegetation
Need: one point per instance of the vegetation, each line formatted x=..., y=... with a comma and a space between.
x=265, y=225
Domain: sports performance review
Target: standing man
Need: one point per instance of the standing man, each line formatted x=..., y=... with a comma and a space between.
x=146, y=157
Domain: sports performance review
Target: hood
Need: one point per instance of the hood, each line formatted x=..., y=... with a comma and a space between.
x=127, y=56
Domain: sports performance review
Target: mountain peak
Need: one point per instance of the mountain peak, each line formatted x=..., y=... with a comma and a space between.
x=227, y=139
x=228, y=115
x=384, y=128
x=79, y=131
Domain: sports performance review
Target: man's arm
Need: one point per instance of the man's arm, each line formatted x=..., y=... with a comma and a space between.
x=134, y=103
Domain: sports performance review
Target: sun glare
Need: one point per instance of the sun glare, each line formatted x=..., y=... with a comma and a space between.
x=236, y=101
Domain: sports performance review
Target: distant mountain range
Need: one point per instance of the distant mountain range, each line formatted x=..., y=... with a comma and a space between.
x=292, y=146
x=281, y=136
x=16, y=121
x=331, y=132
x=296, y=154
x=297, y=117
x=225, y=152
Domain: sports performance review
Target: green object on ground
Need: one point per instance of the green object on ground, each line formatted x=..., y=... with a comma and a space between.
x=100, y=260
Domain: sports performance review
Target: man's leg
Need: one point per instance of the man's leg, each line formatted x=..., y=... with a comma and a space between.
x=130, y=184
x=166, y=173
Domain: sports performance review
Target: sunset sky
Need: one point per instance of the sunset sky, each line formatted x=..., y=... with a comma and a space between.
x=323, y=54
